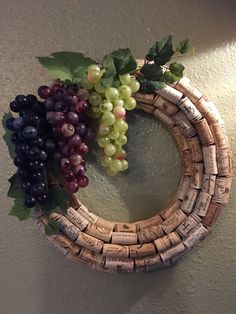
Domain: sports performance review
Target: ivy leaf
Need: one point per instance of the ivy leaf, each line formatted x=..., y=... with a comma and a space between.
x=15, y=190
x=19, y=210
x=152, y=71
x=184, y=46
x=161, y=51
x=52, y=227
x=109, y=76
x=66, y=65
x=148, y=86
x=177, y=69
x=124, y=61
x=7, y=134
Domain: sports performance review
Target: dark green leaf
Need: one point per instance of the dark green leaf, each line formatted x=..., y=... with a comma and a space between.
x=124, y=61
x=20, y=211
x=58, y=200
x=176, y=69
x=152, y=71
x=161, y=51
x=7, y=134
x=15, y=190
x=148, y=86
x=110, y=74
x=184, y=46
x=170, y=77
x=52, y=227
x=66, y=65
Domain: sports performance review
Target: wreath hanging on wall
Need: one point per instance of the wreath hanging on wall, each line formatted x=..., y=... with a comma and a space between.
x=49, y=138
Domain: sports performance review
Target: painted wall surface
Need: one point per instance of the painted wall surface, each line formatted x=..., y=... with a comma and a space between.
x=36, y=279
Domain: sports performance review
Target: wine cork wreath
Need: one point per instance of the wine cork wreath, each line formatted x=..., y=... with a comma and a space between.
x=203, y=191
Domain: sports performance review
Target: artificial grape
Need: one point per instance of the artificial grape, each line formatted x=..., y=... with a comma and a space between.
x=134, y=85
x=30, y=201
x=108, y=118
x=32, y=119
x=61, y=106
x=120, y=154
x=69, y=176
x=112, y=93
x=95, y=99
x=99, y=88
x=15, y=138
x=44, y=92
x=125, y=165
x=93, y=67
x=33, y=152
x=37, y=142
x=119, y=112
x=65, y=163
x=38, y=107
x=75, y=159
x=83, y=94
x=115, y=165
x=38, y=189
x=67, y=129
x=72, y=187
x=111, y=173
x=103, y=141
x=67, y=150
x=71, y=100
x=130, y=103
x=37, y=176
x=120, y=125
x=74, y=140
x=114, y=134
x=25, y=185
x=73, y=118
x=23, y=174
x=15, y=106
x=83, y=149
x=106, y=106
x=95, y=112
x=10, y=124
x=49, y=146
x=29, y=132
x=83, y=182
x=105, y=160
x=90, y=135
x=79, y=170
x=121, y=140
x=42, y=155
x=42, y=198
x=82, y=106
x=31, y=99
x=85, y=83
x=118, y=102
x=35, y=165
x=110, y=150
x=125, y=79
x=125, y=91
x=103, y=129
x=49, y=104
x=20, y=161
x=94, y=76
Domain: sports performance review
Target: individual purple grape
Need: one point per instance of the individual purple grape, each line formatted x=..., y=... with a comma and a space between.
x=9, y=124
x=65, y=164
x=69, y=176
x=81, y=129
x=90, y=135
x=49, y=146
x=39, y=142
x=44, y=92
x=18, y=123
x=42, y=155
x=30, y=201
x=61, y=106
x=72, y=186
x=79, y=171
x=75, y=159
x=73, y=118
x=67, y=150
x=29, y=132
x=49, y=104
x=38, y=189
x=83, y=149
x=74, y=140
x=25, y=185
x=15, y=106
x=31, y=99
x=42, y=198
x=31, y=119
x=83, y=182
x=35, y=165
x=23, y=148
x=67, y=129
x=37, y=176
x=82, y=106
x=71, y=100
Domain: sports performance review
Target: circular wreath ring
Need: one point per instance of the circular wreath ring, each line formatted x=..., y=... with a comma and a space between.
x=162, y=239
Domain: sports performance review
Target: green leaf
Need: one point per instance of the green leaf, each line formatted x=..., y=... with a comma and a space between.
x=177, y=69
x=52, y=227
x=148, y=86
x=161, y=51
x=20, y=211
x=7, y=134
x=66, y=65
x=124, y=61
x=152, y=71
x=15, y=190
x=184, y=46
x=110, y=74
x=170, y=77
x=57, y=201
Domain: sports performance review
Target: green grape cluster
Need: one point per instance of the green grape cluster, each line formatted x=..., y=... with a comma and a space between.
x=108, y=106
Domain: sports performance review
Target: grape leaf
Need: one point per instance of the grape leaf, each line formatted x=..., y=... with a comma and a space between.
x=170, y=77
x=15, y=190
x=66, y=65
x=152, y=71
x=148, y=86
x=7, y=135
x=161, y=51
x=176, y=69
x=110, y=74
x=52, y=227
x=57, y=201
x=19, y=210
x=124, y=61
x=184, y=46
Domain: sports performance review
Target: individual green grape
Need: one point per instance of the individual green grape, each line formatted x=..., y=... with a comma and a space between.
x=125, y=165
x=130, y=103
x=110, y=150
x=103, y=141
x=112, y=93
x=99, y=88
x=106, y=106
x=94, y=76
x=94, y=112
x=95, y=99
x=108, y=118
x=120, y=125
x=125, y=91
x=134, y=85
x=120, y=153
x=114, y=134
x=118, y=102
x=86, y=84
x=125, y=78
x=111, y=173
x=105, y=160
x=119, y=112
x=121, y=140
x=103, y=129
x=115, y=165
x=93, y=67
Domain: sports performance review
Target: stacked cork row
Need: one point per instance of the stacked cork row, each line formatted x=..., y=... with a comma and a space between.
x=204, y=190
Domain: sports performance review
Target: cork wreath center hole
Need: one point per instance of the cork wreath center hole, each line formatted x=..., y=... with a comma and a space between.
x=150, y=183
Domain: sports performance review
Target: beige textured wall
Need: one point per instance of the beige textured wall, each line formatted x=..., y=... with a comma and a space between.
x=35, y=279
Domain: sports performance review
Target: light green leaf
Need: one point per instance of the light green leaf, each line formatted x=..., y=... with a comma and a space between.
x=52, y=227
x=7, y=135
x=184, y=46
x=20, y=211
x=110, y=74
x=177, y=69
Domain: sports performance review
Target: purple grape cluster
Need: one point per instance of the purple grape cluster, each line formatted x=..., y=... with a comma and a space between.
x=34, y=145
x=66, y=108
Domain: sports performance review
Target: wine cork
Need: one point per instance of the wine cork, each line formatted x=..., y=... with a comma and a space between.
x=164, y=118
x=74, y=202
x=176, y=258
x=145, y=107
x=189, y=109
x=170, y=93
x=184, y=125
x=188, y=225
x=173, y=221
x=212, y=214
x=209, y=111
x=209, y=157
x=189, y=200
x=76, y=218
x=150, y=234
x=196, y=236
x=225, y=135
x=197, y=175
x=171, y=209
x=105, y=223
x=142, y=250
x=165, y=106
x=89, y=242
x=125, y=227
x=154, y=267
x=119, y=265
x=172, y=252
x=143, y=262
x=40, y=224
x=195, y=149
x=91, y=257
x=187, y=163
x=143, y=224
x=208, y=183
x=58, y=245
x=124, y=238
x=204, y=132
x=219, y=136
x=184, y=85
x=225, y=162
x=82, y=210
x=167, y=241
x=183, y=187
x=101, y=233
x=180, y=139
x=222, y=189
x=202, y=204
x=115, y=250
x=62, y=244
x=66, y=226
x=144, y=98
